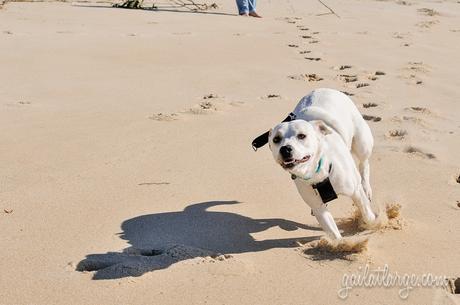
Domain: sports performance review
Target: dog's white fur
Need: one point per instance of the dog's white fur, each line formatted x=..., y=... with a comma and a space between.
x=333, y=130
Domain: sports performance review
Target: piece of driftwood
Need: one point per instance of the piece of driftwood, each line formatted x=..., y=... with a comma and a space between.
x=188, y=4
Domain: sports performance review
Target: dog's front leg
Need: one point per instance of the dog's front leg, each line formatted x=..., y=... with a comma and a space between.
x=318, y=208
x=326, y=221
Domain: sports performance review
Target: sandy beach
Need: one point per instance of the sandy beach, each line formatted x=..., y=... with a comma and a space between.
x=127, y=174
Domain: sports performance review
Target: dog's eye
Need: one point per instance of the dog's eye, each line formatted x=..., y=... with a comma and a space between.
x=276, y=139
x=301, y=136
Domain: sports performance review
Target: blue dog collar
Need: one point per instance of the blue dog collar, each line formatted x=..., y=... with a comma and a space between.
x=318, y=168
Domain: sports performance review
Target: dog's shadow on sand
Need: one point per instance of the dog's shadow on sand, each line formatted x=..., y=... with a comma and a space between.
x=160, y=240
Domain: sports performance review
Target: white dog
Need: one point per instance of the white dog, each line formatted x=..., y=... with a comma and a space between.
x=316, y=148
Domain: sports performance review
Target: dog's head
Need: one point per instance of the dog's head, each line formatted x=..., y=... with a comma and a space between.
x=296, y=145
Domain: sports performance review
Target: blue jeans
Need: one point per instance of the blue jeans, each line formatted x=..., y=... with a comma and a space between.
x=246, y=6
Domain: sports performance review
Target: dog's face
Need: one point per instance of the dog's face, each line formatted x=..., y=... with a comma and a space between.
x=295, y=145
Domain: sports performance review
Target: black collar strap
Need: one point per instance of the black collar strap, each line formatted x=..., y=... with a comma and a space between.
x=325, y=189
x=263, y=138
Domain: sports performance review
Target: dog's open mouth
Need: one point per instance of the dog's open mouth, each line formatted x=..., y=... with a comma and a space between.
x=290, y=163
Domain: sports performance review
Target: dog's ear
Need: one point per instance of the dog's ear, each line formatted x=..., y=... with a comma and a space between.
x=321, y=127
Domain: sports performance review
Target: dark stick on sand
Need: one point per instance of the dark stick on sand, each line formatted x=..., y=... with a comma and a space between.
x=331, y=10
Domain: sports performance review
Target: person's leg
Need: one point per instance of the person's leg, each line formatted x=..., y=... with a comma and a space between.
x=252, y=5
x=243, y=7
x=252, y=8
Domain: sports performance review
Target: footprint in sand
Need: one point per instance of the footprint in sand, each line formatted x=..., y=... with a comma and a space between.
x=302, y=28
x=308, y=77
x=164, y=117
x=211, y=95
x=370, y=105
x=293, y=46
x=347, y=93
x=419, y=153
x=313, y=41
x=306, y=36
x=313, y=58
x=350, y=78
x=304, y=52
x=372, y=118
x=417, y=109
x=203, y=108
x=396, y=134
x=313, y=77
x=399, y=35
x=417, y=67
x=413, y=79
x=342, y=67
x=271, y=97
x=411, y=119
x=403, y=2
x=428, y=12
x=427, y=24
x=361, y=85
x=347, y=78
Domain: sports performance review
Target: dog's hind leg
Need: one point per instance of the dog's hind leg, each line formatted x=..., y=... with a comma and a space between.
x=364, y=205
x=362, y=145
x=364, y=170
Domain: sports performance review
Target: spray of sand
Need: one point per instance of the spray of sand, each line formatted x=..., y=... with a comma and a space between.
x=389, y=217
x=347, y=248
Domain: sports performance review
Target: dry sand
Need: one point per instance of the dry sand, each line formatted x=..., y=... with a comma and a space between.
x=112, y=160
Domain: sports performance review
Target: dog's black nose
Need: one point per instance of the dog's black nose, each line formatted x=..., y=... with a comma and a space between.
x=286, y=151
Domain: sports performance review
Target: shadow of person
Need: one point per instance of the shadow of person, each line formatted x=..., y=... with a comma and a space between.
x=159, y=240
